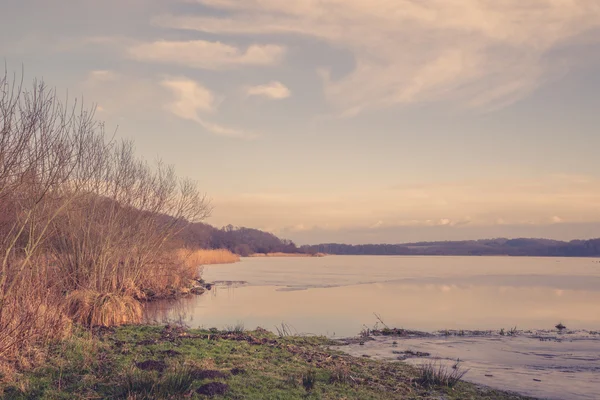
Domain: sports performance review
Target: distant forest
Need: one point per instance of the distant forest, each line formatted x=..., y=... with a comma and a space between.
x=246, y=241
x=490, y=247
x=242, y=241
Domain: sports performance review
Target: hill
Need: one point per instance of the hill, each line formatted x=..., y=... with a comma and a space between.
x=239, y=240
x=484, y=247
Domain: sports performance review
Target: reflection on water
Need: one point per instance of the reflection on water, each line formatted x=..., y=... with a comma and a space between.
x=337, y=295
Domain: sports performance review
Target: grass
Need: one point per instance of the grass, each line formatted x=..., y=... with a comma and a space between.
x=437, y=374
x=237, y=328
x=90, y=308
x=207, y=257
x=284, y=330
x=153, y=362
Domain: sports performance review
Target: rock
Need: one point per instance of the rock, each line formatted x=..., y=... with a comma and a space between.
x=197, y=290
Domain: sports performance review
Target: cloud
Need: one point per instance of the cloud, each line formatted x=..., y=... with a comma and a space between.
x=273, y=90
x=478, y=53
x=191, y=99
x=103, y=75
x=206, y=55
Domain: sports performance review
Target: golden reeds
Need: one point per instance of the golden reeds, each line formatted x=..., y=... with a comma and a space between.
x=91, y=308
x=196, y=258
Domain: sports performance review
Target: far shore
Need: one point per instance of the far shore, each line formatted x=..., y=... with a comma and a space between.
x=287, y=255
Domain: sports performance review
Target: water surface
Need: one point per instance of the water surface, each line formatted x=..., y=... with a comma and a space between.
x=338, y=295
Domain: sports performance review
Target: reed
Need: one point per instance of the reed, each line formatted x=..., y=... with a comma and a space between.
x=91, y=308
x=194, y=259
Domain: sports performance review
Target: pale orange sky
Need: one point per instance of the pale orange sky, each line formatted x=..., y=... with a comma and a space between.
x=348, y=120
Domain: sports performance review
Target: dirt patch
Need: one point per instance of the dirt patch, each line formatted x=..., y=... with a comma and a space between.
x=213, y=389
x=172, y=332
x=209, y=374
x=146, y=342
x=170, y=353
x=151, y=365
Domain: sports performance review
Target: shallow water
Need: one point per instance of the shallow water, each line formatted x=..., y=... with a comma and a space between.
x=539, y=364
x=338, y=295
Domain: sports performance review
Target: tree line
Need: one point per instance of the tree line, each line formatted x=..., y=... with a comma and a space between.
x=485, y=247
x=239, y=240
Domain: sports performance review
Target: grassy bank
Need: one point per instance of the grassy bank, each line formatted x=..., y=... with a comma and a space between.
x=151, y=362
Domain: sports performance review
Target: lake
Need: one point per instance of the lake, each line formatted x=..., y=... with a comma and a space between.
x=338, y=295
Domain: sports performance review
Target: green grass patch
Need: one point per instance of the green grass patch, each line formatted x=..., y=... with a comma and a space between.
x=153, y=362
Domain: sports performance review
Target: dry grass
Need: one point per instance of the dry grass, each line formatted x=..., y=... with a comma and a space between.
x=437, y=374
x=90, y=308
x=195, y=259
x=30, y=319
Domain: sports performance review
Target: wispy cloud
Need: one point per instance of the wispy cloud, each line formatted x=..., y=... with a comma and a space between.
x=273, y=90
x=191, y=99
x=203, y=54
x=477, y=52
x=103, y=75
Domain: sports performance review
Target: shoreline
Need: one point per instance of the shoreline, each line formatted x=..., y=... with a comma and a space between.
x=156, y=362
x=303, y=255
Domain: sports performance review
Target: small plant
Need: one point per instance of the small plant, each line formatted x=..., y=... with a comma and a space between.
x=284, y=330
x=502, y=333
x=341, y=374
x=560, y=327
x=309, y=379
x=237, y=328
x=365, y=332
x=436, y=374
x=291, y=380
x=178, y=381
x=138, y=382
x=513, y=332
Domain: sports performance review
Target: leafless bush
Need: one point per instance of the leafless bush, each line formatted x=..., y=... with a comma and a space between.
x=80, y=214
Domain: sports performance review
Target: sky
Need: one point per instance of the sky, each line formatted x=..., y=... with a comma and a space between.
x=353, y=121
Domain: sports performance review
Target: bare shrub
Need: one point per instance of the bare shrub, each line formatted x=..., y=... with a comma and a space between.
x=82, y=215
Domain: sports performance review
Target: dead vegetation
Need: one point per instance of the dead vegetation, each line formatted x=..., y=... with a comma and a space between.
x=87, y=228
x=195, y=258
